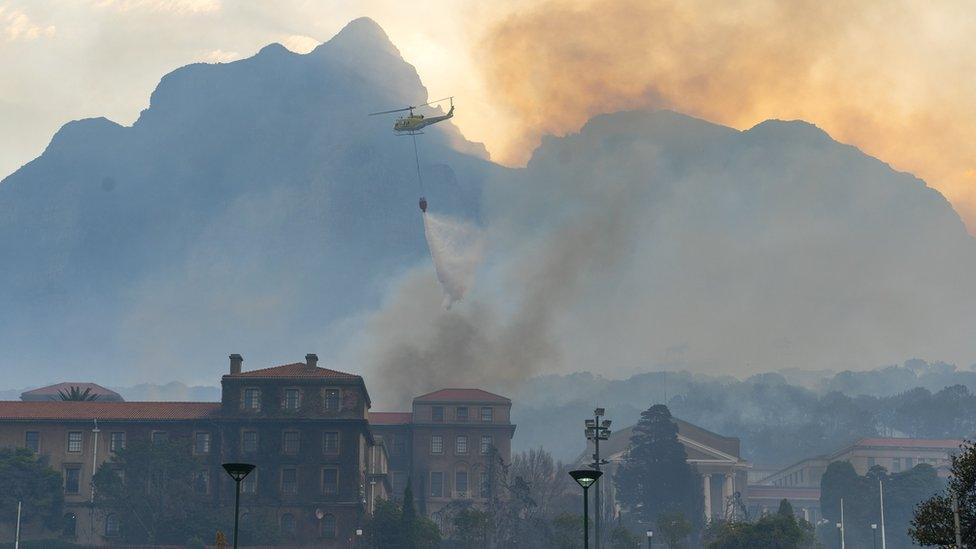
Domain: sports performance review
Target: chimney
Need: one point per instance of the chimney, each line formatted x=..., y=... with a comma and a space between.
x=235, y=363
x=311, y=360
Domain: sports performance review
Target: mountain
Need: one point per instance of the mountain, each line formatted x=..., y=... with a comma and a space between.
x=255, y=208
x=249, y=207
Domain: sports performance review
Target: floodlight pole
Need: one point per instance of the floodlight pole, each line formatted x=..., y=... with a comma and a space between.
x=596, y=462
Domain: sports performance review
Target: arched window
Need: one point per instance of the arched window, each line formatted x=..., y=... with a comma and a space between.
x=112, y=526
x=68, y=525
x=328, y=526
x=288, y=524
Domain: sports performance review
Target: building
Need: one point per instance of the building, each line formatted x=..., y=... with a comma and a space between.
x=715, y=457
x=54, y=392
x=447, y=446
x=799, y=483
x=321, y=464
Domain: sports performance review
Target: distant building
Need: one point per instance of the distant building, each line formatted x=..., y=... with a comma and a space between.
x=320, y=463
x=800, y=482
x=715, y=457
x=54, y=392
x=445, y=446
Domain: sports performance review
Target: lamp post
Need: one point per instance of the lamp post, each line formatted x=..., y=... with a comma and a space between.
x=237, y=471
x=840, y=532
x=585, y=477
x=874, y=535
x=650, y=537
x=596, y=431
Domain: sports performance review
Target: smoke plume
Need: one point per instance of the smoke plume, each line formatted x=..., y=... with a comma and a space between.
x=456, y=248
x=893, y=78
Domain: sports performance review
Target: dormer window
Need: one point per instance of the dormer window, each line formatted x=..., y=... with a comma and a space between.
x=252, y=399
x=332, y=400
x=292, y=399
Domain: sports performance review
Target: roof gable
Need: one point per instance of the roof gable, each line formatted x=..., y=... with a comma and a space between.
x=462, y=394
x=51, y=392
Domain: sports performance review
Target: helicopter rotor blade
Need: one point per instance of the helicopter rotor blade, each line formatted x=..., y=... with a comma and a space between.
x=434, y=102
x=392, y=111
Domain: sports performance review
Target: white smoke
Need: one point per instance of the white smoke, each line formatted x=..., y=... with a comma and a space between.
x=457, y=248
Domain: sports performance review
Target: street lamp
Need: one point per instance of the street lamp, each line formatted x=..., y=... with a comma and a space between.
x=585, y=477
x=840, y=532
x=650, y=535
x=597, y=430
x=237, y=471
x=874, y=535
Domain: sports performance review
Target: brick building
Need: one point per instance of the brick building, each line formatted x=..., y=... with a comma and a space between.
x=322, y=457
x=445, y=446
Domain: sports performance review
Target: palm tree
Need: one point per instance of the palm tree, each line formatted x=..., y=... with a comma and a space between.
x=76, y=394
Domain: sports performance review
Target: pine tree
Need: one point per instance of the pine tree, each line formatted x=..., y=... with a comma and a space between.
x=655, y=478
x=408, y=519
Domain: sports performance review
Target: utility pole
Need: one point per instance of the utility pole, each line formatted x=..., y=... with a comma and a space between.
x=17, y=535
x=881, y=493
x=955, y=520
x=597, y=431
x=843, y=544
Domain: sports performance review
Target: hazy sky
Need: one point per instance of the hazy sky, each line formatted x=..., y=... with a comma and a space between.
x=894, y=77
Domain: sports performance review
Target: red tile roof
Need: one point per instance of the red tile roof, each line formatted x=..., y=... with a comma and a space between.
x=390, y=418
x=949, y=444
x=40, y=410
x=462, y=395
x=297, y=369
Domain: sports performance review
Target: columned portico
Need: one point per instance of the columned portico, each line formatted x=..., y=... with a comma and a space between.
x=729, y=488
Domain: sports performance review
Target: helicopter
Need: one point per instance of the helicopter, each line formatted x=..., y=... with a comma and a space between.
x=411, y=124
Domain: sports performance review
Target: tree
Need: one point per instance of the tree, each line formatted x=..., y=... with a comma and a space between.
x=567, y=531
x=395, y=527
x=655, y=478
x=155, y=490
x=674, y=528
x=622, y=538
x=933, y=522
x=781, y=530
x=75, y=393
x=27, y=478
x=471, y=528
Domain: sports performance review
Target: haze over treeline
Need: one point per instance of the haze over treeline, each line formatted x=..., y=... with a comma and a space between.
x=254, y=208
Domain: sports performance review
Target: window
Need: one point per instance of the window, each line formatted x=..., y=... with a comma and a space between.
x=328, y=527
x=116, y=441
x=288, y=524
x=485, y=485
x=330, y=443
x=461, y=413
x=896, y=465
x=289, y=481
x=461, y=484
x=461, y=444
x=399, y=446
x=330, y=481
x=112, y=528
x=436, y=444
x=291, y=399
x=252, y=399
x=250, y=483
x=437, y=413
x=74, y=441
x=249, y=442
x=332, y=400
x=32, y=441
x=399, y=483
x=909, y=463
x=291, y=442
x=159, y=437
x=69, y=523
x=436, y=484
x=487, y=415
x=72, y=479
x=871, y=462
x=201, y=482
x=201, y=443
x=485, y=444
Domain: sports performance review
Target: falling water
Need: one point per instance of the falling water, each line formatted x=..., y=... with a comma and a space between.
x=456, y=247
